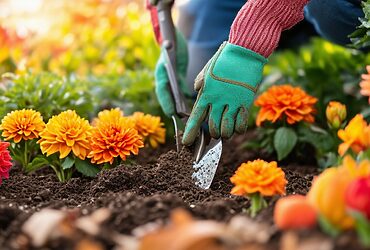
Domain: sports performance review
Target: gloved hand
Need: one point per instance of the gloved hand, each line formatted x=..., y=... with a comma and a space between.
x=162, y=86
x=227, y=86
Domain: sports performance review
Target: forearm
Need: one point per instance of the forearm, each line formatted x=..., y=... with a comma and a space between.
x=259, y=23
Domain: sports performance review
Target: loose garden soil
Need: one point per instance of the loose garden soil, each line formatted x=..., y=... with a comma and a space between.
x=144, y=192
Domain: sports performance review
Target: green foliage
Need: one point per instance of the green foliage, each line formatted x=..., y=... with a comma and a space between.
x=37, y=163
x=64, y=168
x=24, y=153
x=86, y=168
x=294, y=140
x=47, y=93
x=362, y=227
x=326, y=71
x=361, y=37
x=133, y=91
x=325, y=143
x=285, y=140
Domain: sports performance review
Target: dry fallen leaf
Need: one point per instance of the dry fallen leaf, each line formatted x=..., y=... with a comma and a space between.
x=41, y=225
x=87, y=244
x=90, y=224
x=246, y=230
x=291, y=241
x=184, y=233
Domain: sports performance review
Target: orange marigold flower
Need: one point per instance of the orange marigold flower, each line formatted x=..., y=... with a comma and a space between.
x=108, y=115
x=355, y=136
x=113, y=137
x=285, y=101
x=259, y=176
x=64, y=133
x=365, y=83
x=25, y=124
x=150, y=127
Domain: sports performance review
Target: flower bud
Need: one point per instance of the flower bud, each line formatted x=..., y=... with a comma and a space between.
x=336, y=113
x=357, y=196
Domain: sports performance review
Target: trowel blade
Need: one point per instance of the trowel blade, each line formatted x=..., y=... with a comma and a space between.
x=205, y=169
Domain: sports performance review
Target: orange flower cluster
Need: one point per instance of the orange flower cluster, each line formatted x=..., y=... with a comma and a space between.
x=259, y=176
x=150, y=127
x=328, y=190
x=365, y=83
x=64, y=133
x=113, y=135
x=25, y=124
x=355, y=136
x=285, y=101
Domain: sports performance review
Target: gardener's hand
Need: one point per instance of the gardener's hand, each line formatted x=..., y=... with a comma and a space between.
x=162, y=87
x=227, y=86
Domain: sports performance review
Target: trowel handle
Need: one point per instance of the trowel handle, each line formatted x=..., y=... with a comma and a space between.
x=168, y=33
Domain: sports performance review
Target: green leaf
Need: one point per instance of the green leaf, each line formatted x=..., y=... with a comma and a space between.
x=365, y=155
x=85, y=168
x=362, y=227
x=327, y=227
x=284, y=141
x=330, y=159
x=37, y=163
x=68, y=163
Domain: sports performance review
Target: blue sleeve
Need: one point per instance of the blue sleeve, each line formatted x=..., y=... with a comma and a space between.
x=334, y=19
x=212, y=20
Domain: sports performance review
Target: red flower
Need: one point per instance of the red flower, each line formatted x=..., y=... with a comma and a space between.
x=358, y=196
x=5, y=160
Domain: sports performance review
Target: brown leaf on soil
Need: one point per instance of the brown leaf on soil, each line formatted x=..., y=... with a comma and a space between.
x=87, y=244
x=184, y=233
x=53, y=224
x=90, y=224
x=291, y=241
x=246, y=230
x=253, y=247
x=41, y=225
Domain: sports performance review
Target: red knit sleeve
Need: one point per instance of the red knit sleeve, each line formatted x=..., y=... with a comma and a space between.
x=155, y=22
x=259, y=23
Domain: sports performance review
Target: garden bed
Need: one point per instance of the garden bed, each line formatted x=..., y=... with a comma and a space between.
x=145, y=192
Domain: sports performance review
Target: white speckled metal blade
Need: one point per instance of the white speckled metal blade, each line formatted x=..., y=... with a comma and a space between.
x=206, y=167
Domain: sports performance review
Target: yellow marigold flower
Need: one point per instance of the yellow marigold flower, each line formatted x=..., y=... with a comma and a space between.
x=327, y=193
x=150, y=127
x=285, y=101
x=365, y=83
x=25, y=124
x=114, y=137
x=336, y=113
x=259, y=176
x=107, y=115
x=355, y=136
x=64, y=133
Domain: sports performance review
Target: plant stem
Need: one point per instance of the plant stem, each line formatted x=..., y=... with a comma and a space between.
x=257, y=203
x=57, y=172
x=62, y=174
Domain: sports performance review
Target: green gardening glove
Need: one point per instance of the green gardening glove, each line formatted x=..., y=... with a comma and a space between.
x=227, y=86
x=162, y=86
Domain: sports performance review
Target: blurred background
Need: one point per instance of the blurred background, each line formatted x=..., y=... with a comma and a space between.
x=103, y=54
x=63, y=36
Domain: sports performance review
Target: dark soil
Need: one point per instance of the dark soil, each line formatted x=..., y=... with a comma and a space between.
x=138, y=193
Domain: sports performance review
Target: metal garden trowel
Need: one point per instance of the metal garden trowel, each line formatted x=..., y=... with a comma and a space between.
x=207, y=150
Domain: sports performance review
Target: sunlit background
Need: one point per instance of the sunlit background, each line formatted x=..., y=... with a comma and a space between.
x=85, y=36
